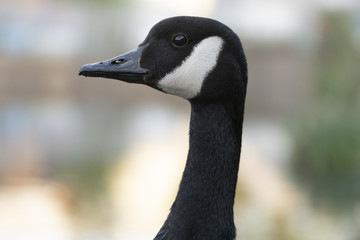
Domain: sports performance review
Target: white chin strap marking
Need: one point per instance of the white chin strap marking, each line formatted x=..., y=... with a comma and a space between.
x=187, y=79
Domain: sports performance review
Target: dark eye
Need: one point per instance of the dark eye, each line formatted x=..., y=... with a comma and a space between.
x=179, y=40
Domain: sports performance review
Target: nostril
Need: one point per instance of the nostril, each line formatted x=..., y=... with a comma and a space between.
x=118, y=61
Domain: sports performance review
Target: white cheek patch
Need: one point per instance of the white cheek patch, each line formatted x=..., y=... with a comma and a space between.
x=187, y=79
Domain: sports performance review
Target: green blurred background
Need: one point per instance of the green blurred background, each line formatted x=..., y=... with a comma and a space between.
x=86, y=158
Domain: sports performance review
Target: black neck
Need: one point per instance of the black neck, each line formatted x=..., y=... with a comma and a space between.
x=203, y=208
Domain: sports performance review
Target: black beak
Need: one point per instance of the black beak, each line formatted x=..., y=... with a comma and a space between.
x=125, y=67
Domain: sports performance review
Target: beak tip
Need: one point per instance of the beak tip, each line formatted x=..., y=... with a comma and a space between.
x=82, y=71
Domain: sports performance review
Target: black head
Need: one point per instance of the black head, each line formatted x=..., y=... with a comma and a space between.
x=192, y=57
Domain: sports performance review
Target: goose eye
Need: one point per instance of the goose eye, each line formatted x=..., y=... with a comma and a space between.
x=179, y=40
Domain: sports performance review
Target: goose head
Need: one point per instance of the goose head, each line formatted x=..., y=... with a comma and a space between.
x=191, y=57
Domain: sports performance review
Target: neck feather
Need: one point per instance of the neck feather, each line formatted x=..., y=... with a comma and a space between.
x=203, y=208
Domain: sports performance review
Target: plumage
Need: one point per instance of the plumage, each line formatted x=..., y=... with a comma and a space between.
x=202, y=61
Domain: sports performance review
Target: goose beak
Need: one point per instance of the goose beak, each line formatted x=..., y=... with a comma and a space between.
x=125, y=67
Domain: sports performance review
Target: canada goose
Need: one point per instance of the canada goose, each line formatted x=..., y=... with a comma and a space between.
x=203, y=61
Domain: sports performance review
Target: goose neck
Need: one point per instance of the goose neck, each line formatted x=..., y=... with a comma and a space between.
x=206, y=194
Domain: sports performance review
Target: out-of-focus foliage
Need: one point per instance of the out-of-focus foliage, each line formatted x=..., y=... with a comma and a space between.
x=87, y=179
x=101, y=2
x=327, y=136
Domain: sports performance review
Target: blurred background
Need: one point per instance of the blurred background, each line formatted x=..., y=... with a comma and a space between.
x=87, y=158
